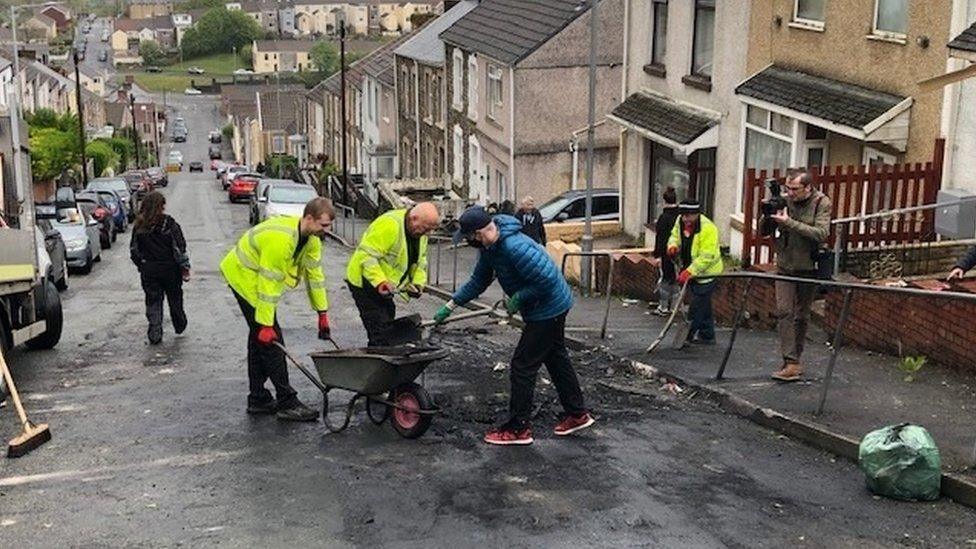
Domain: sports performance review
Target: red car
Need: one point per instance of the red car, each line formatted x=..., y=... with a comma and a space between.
x=242, y=186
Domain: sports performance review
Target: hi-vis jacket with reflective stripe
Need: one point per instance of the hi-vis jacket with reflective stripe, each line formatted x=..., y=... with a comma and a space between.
x=382, y=254
x=264, y=263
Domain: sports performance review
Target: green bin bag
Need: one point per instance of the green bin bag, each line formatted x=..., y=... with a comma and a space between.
x=901, y=462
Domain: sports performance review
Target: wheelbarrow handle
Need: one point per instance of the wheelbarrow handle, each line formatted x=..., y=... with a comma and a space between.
x=301, y=367
x=464, y=316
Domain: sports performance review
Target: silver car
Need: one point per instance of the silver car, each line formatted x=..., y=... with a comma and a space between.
x=284, y=197
x=80, y=233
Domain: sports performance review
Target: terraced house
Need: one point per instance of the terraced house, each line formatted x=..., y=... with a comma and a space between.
x=421, y=90
x=516, y=76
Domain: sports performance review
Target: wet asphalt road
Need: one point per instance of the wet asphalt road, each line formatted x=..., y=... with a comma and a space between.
x=152, y=446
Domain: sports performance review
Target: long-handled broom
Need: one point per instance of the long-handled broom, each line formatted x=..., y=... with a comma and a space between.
x=33, y=435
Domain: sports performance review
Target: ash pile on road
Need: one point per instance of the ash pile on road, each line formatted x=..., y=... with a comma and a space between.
x=471, y=384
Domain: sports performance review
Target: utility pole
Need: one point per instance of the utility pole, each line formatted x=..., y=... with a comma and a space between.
x=81, y=120
x=159, y=161
x=587, y=241
x=135, y=132
x=342, y=102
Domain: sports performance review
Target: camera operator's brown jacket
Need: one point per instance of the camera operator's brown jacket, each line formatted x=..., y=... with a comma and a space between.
x=803, y=234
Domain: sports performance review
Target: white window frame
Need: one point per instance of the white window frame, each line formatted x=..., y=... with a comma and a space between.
x=792, y=139
x=473, y=85
x=881, y=33
x=275, y=140
x=655, y=4
x=458, y=171
x=495, y=103
x=457, y=78
x=808, y=23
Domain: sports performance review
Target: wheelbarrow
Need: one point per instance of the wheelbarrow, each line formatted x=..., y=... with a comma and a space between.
x=370, y=373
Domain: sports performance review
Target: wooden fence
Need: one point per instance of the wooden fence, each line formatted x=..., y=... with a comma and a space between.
x=856, y=190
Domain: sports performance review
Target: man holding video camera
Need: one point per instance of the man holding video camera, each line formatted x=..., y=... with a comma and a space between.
x=800, y=221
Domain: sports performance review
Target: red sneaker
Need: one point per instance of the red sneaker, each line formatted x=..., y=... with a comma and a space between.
x=570, y=423
x=506, y=435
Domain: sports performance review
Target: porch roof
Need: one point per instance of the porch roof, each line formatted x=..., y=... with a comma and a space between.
x=659, y=118
x=840, y=107
x=964, y=45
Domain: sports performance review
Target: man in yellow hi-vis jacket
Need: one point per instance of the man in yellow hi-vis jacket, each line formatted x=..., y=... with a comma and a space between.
x=268, y=259
x=391, y=257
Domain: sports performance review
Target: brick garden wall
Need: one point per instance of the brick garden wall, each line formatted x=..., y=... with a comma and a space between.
x=913, y=259
x=942, y=330
x=760, y=307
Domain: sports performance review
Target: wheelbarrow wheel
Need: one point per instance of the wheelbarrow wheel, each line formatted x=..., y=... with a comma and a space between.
x=408, y=423
x=371, y=411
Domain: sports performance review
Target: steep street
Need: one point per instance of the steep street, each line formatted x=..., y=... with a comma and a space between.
x=152, y=446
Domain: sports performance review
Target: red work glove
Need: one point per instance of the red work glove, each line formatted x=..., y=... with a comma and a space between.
x=673, y=252
x=267, y=335
x=186, y=275
x=385, y=288
x=684, y=277
x=324, y=331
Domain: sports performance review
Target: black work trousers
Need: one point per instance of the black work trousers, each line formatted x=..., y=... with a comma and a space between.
x=378, y=313
x=265, y=362
x=162, y=282
x=543, y=342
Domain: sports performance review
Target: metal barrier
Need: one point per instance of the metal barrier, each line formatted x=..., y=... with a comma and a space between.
x=609, y=256
x=438, y=245
x=849, y=288
x=348, y=217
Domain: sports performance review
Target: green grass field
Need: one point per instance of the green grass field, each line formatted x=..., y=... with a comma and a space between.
x=174, y=78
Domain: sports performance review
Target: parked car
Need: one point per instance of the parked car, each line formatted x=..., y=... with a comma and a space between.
x=101, y=211
x=139, y=182
x=196, y=166
x=81, y=238
x=179, y=135
x=115, y=212
x=242, y=186
x=121, y=187
x=192, y=91
x=103, y=56
x=153, y=68
x=243, y=71
x=230, y=173
x=195, y=70
x=215, y=136
x=571, y=206
x=174, y=162
x=215, y=151
x=158, y=176
x=282, y=197
x=57, y=254
x=260, y=191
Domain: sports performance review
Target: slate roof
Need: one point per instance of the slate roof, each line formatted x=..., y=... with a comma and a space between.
x=280, y=110
x=380, y=63
x=510, y=30
x=159, y=22
x=663, y=117
x=832, y=100
x=115, y=114
x=426, y=46
x=284, y=45
x=965, y=41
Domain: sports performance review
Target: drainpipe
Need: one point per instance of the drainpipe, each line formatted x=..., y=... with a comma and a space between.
x=416, y=113
x=574, y=147
x=511, y=135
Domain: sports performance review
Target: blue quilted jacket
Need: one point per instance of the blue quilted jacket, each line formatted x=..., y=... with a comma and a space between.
x=523, y=267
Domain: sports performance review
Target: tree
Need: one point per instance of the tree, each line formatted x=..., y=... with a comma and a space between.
x=103, y=156
x=200, y=5
x=52, y=152
x=220, y=31
x=247, y=56
x=47, y=118
x=325, y=58
x=151, y=52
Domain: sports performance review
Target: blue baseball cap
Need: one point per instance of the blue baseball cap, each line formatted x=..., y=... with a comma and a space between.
x=473, y=219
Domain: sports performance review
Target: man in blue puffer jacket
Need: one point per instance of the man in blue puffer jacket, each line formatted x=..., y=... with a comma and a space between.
x=537, y=289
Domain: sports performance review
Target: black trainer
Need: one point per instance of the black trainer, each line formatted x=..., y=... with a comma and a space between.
x=179, y=324
x=155, y=334
x=265, y=408
x=298, y=412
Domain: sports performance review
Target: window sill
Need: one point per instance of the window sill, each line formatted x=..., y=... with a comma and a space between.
x=803, y=25
x=458, y=107
x=737, y=221
x=697, y=81
x=655, y=69
x=889, y=38
x=494, y=123
x=428, y=120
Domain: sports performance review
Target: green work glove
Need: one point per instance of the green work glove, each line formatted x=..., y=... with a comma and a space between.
x=442, y=314
x=513, y=304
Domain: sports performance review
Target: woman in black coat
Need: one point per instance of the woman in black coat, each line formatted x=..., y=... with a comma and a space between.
x=159, y=251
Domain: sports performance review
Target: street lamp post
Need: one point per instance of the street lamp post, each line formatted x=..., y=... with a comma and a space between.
x=81, y=120
x=587, y=240
x=342, y=102
x=135, y=132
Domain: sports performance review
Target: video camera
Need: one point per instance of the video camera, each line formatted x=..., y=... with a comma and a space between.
x=775, y=203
